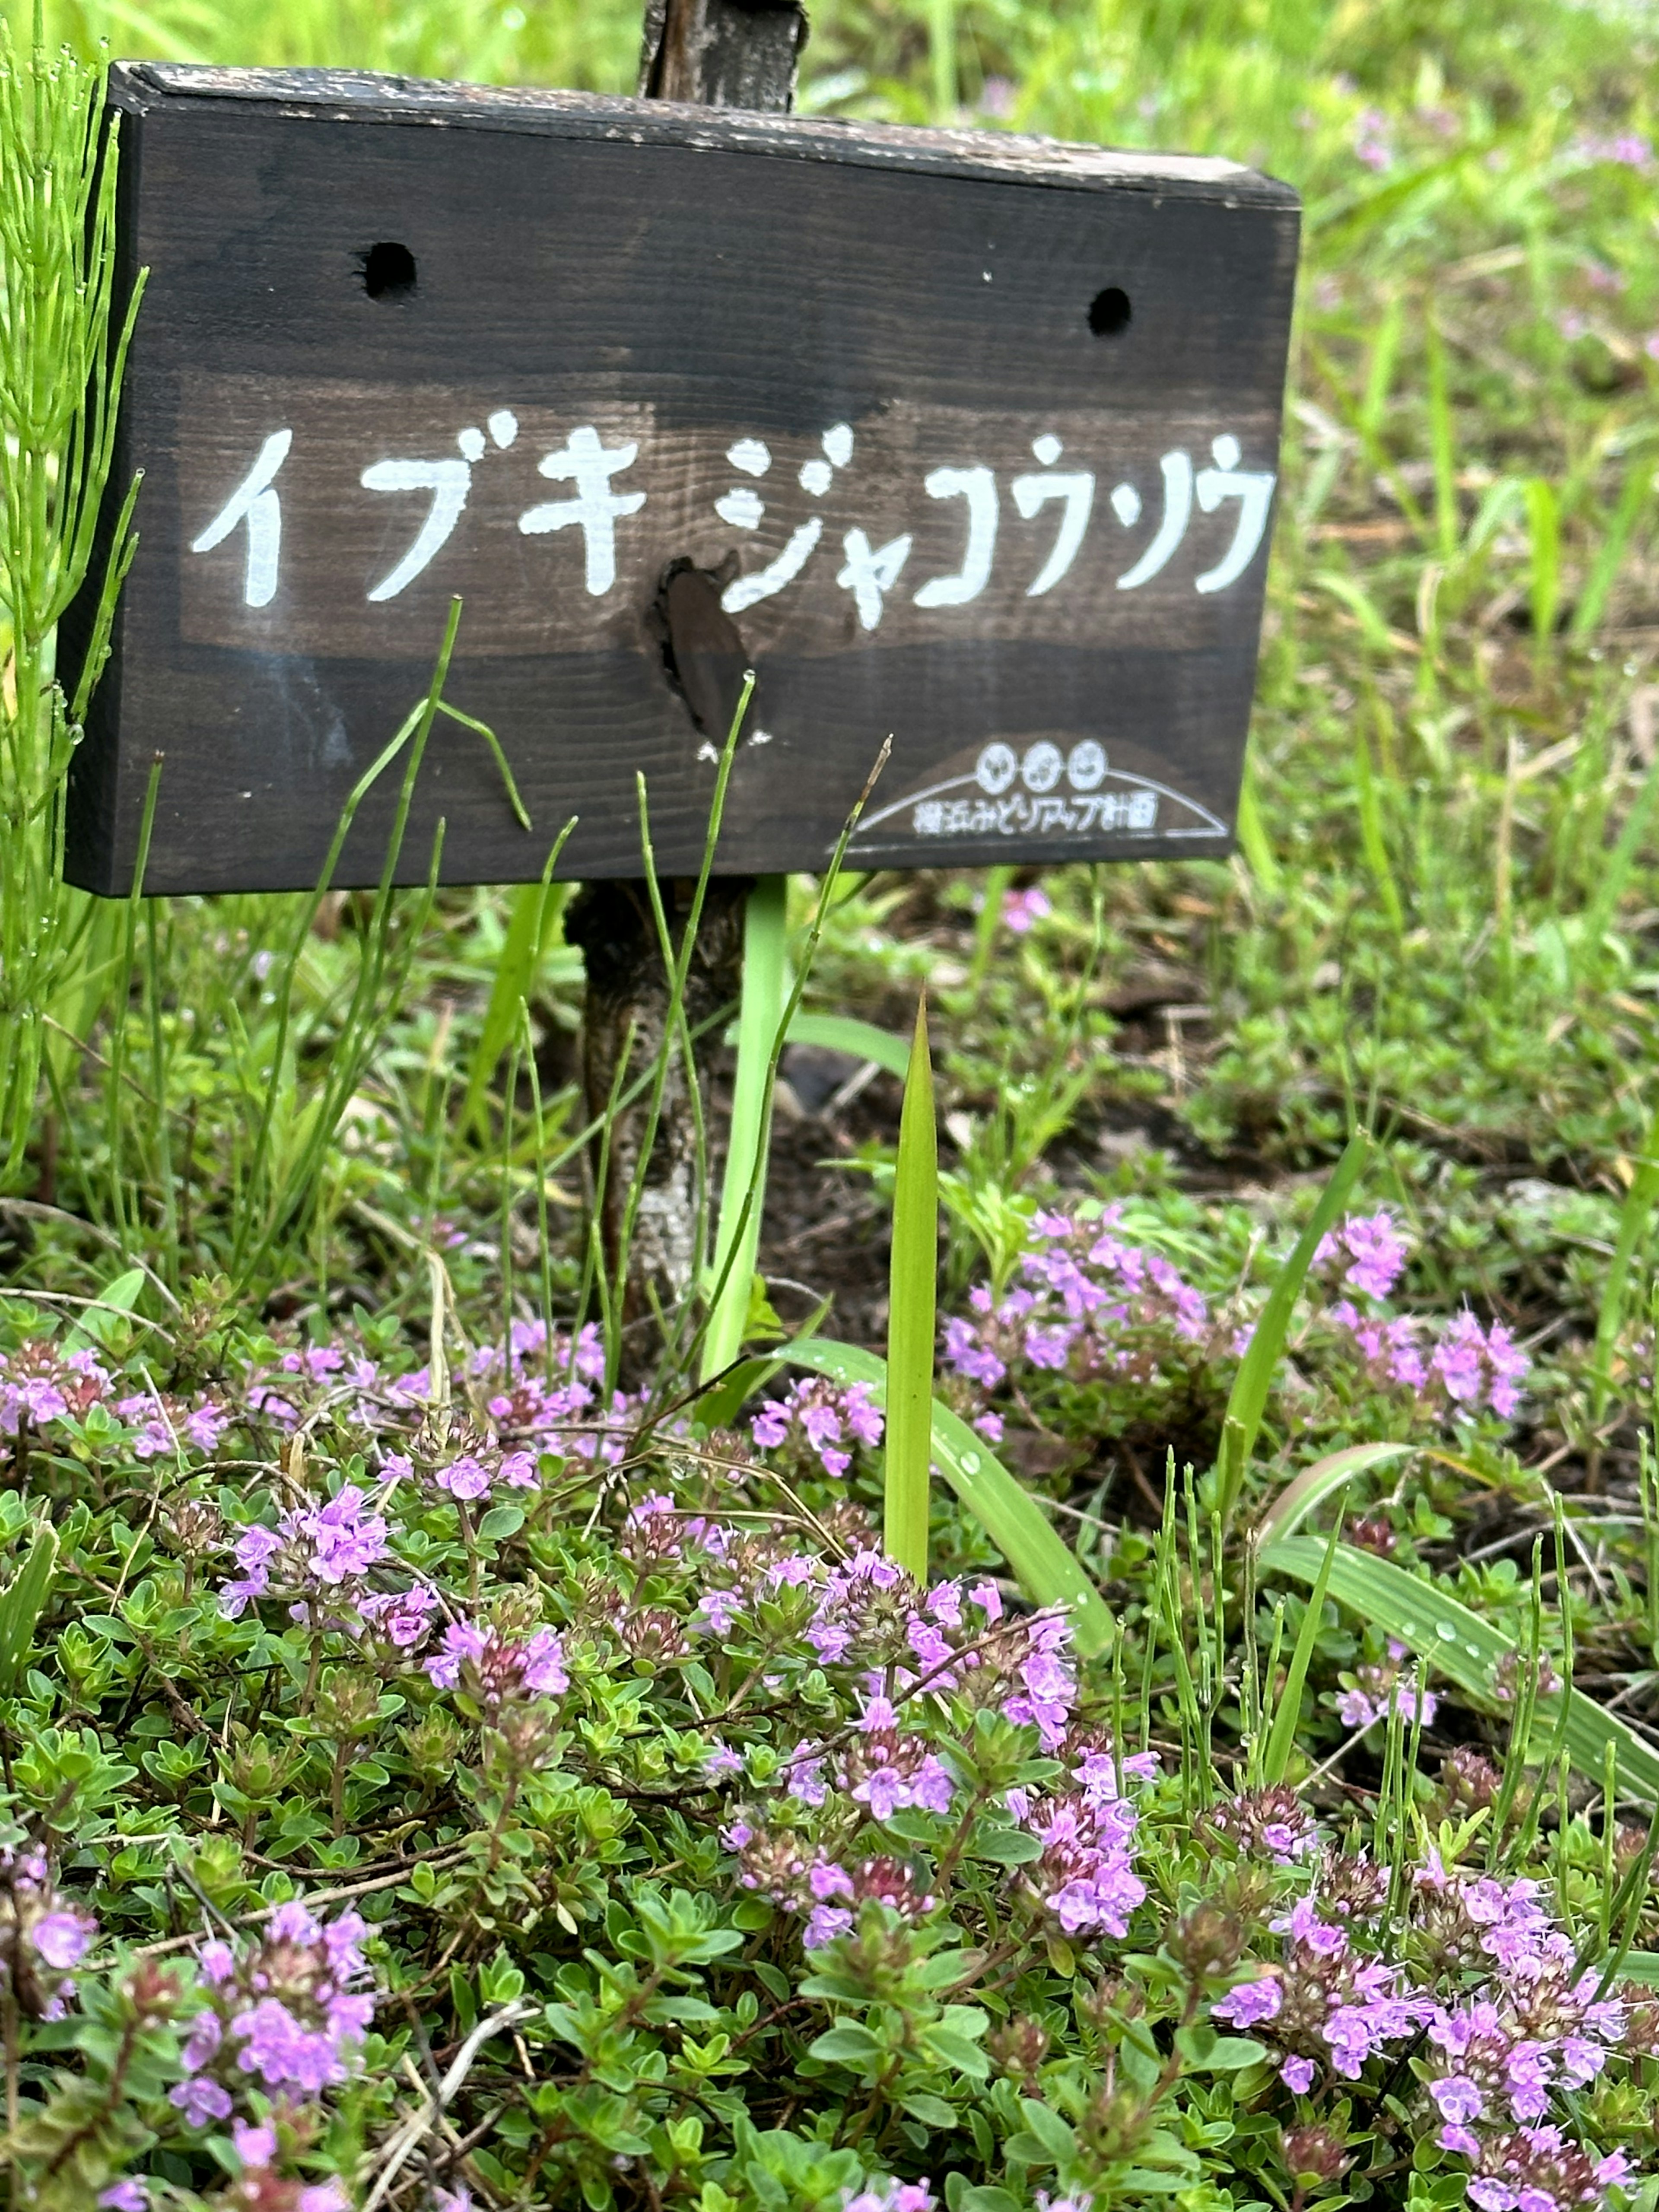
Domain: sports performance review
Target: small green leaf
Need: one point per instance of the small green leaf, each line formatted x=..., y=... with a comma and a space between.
x=847, y=2045
x=955, y=2051
x=501, y=1522
x=1000, y=1846
x=933, y=2112
x=1231, y=2054
x=1056, y=2136
x=98, y=1323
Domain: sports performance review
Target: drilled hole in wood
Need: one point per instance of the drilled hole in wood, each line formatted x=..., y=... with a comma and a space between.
x=1109, y=311
x=388, y=271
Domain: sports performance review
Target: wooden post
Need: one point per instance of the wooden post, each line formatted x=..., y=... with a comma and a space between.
x=723, y=54
x=712, y=53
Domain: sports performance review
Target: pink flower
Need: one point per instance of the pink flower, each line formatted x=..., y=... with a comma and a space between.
x=1250, y=2002
x=1021, y=910
x=62, y=1937
x=1457, y=2097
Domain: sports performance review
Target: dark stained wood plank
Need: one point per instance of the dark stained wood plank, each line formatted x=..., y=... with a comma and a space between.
x=970, y=435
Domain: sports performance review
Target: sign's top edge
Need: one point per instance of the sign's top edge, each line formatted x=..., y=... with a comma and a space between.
x=139, y=87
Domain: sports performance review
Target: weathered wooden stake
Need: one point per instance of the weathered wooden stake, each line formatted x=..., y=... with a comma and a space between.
x=713, y=53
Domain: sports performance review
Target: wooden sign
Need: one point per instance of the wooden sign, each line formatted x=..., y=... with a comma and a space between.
x=967, y=438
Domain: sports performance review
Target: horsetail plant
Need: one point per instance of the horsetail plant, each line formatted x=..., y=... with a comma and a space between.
x=61, y=363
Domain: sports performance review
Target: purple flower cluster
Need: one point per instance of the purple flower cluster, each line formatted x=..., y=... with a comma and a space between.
x=893, y=2197
x=498, y=1670
x=43, y=1384
x=1372, y=144
x=1378, y=1690
x=887, y=1770
x=1023, y=910
x=1466, y=1370
x=506, y=1410
x=319, y=1549
x=1625, y=150
x=1085, y=1876
x=1092, y=1305
x=40, y=1384
x=1482, y=1979
x=284, y=2014
x=163, y=1426
x=1263, y=1824
x=42, y=1936
x=821, y=1420
x=259, y=2188
x=776, y=1864
x=1367, y=1252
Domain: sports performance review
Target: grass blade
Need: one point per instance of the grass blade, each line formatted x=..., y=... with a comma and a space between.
x=536, y=911
x=21, y=1604
x=1044, y=1566
x=1615, y=870
x=862, y=1040
x=1307, y=1492
x=1248, y=1399
x=1465, y=1649
x=1253, y=839
x=737, y=1236
x=1610, y=557
x=1287, y=1711
x=1544, y=526
x=912, y=1316
x=1442, y=444
x=1633, y=1216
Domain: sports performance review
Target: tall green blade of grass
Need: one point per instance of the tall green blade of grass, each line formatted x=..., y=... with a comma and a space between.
x=993, y=894
x=737, y=1236
x=1544, y=526
x=1253, y=839
x=1614, y=873
x=1287, y=1712
x=676, y=1040
x=22, y=1603
x=1610, y=554
x=1442, y=444
x=1633, y=1218
x=912, y=1318
x=1464, y=1648
x=1046, y=1568
x=1371, y=834
x=742, y=1202
x=942, y=57
x=1248, y=1399
x=535, y=917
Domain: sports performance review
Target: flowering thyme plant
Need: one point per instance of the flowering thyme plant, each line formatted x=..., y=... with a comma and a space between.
x=436, y=1785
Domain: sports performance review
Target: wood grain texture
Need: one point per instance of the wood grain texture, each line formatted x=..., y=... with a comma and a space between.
x=723, y=54
x=872, y=306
